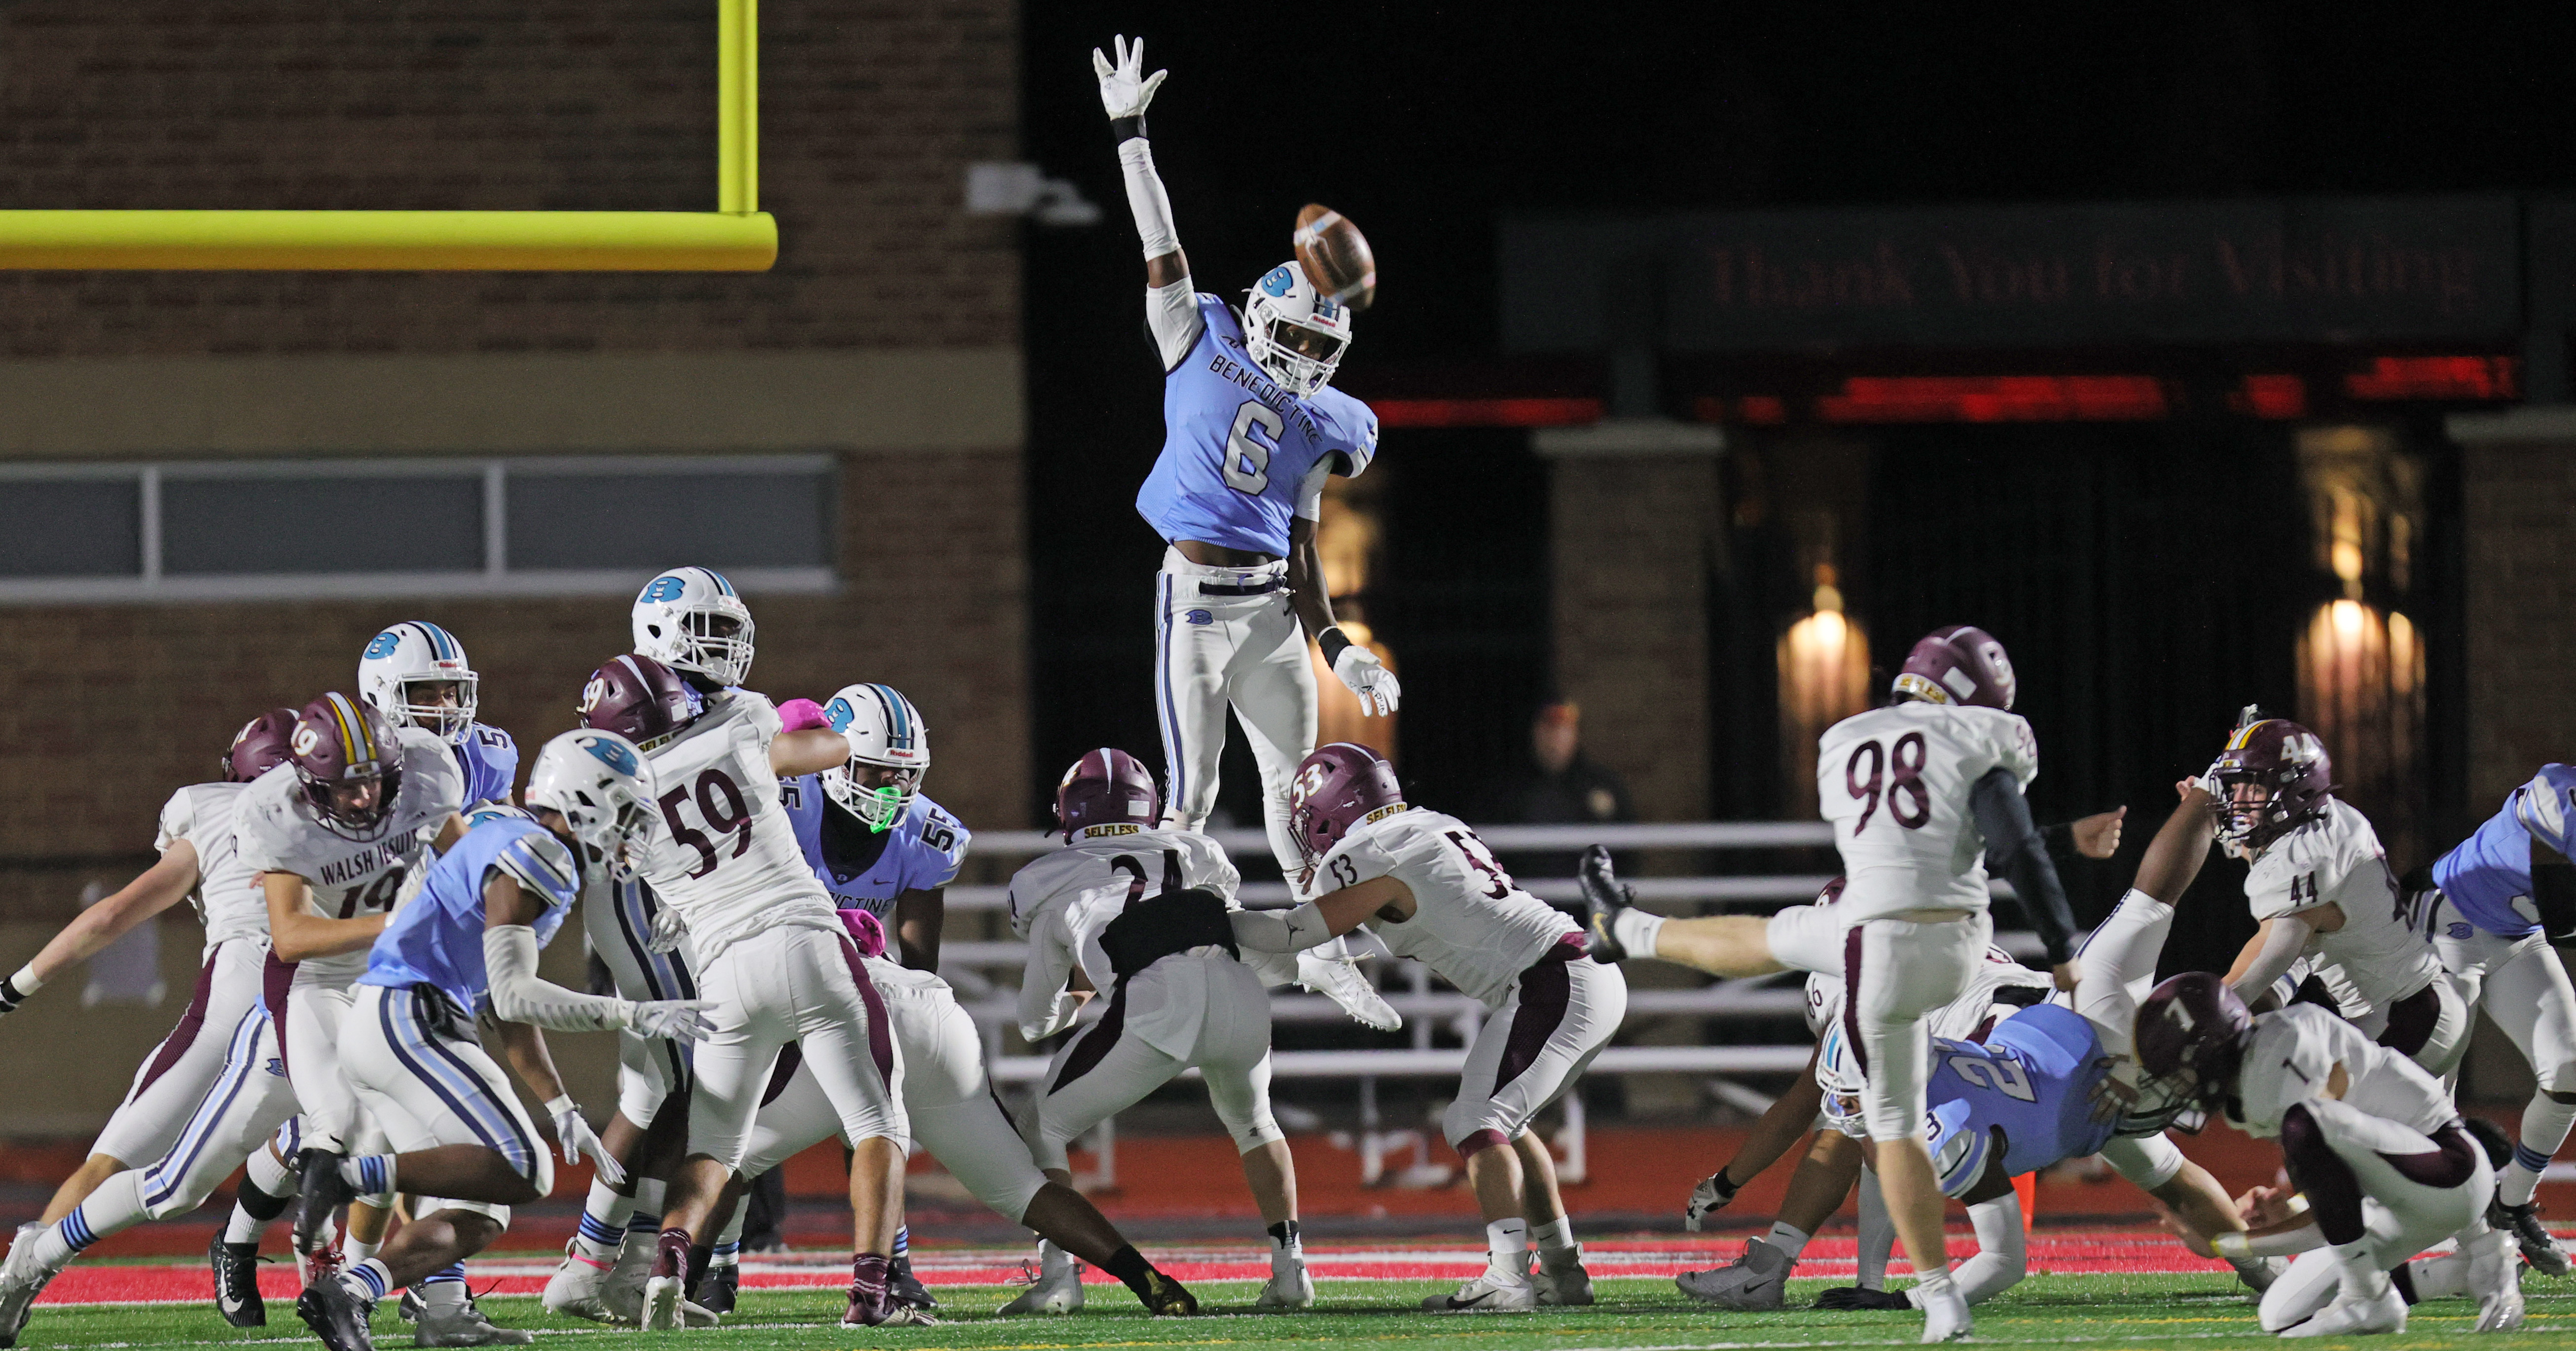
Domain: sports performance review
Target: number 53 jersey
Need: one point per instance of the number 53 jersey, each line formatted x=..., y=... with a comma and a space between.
x=1895, y=782
x=726, y=857
x=1471, y=923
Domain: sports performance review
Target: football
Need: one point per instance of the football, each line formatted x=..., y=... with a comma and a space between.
x=1336, y=256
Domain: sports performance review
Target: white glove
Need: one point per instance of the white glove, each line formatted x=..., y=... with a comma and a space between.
x=1125, y=88
x=669, y=930
x=681, y=1020
x=1368, y=678
x=575, y=1137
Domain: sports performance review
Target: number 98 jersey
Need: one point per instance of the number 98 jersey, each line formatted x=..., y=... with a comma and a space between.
x=1895, y=783
x=1471, y=923
x=726, y=857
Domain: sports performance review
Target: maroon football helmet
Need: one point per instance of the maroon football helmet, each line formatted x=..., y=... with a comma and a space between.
x=2190, y=1039
x=343, y=748
x=2288, y=770
x=1107, y=787
x=1332, y=790
x=1960, y=664
x=263, y=743
x=639, y=699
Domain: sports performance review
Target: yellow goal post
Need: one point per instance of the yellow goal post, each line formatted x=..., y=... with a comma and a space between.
x=735, y=237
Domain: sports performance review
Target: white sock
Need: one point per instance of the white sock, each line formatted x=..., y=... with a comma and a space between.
x=360, y=1252
x=115, y=1207
x=1555, y=1236
x=1933, y=1285
x=1788, y=1238
x=1637, y=930
x=603, y=1223
x=1507, y=1249
x=436, y=1293
x=1054, y=1263
x=1287, y=1244
x=648, y=1201
x=2544, y=1128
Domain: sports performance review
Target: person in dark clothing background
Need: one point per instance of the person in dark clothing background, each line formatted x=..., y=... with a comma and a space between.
x=1561, y=786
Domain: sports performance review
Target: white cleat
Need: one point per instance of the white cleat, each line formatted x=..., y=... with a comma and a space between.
x=1561, y=1279
x=2495, y=1281
x=1289, y=1286
x=1340, y=980
x=621, y=1292
x=2357, y=1316
x=465, y=1325
x=1057, y=1294
x=577, y=1289
x=21, y=1280
x=661, y=1306
x=1945, y=1315
x=1489, y=1293
x=1757, y=1280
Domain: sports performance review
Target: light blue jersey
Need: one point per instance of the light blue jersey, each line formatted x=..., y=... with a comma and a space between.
x=490, y=760
x=865, y=869
x=437, y=938
x=1237, y=447
x=2486, y=873
x=2033, y=1078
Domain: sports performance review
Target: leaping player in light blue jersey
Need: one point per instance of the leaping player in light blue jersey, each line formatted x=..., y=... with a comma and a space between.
x=2506, y=893
x=416, y=674
x=1252, y=429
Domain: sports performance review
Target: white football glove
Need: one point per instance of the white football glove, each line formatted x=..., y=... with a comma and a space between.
x=1368, y=678
x=1712, y=1194
x=574, y=1136
x=1125, y=88
x=669, y=930
x=681, y=1020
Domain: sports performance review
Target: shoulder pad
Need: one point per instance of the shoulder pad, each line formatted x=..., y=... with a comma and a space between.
x=542, y=863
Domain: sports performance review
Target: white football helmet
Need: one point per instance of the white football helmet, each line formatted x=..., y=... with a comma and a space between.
x=603, y=786
x=416, y=652
x=886, y=730
x=689, y=619
x=1293, y=333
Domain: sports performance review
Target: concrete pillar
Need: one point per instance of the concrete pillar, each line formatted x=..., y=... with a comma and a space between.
x=2518, y=503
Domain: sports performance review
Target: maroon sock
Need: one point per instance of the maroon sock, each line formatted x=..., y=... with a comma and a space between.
x=869, y=1276
x=671, y=1256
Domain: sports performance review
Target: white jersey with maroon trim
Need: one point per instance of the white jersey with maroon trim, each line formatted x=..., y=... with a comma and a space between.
x=2292, y=1054
x=1068, y=896
x=726, y=859
x=1471, y=923
x=277, y=830
x=228, y=897
x=1895, y=783
x=2335, y=859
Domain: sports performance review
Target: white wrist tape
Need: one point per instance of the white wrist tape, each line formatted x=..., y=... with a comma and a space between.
x=561, y=1104
x=1145, y=198
x=27, y=981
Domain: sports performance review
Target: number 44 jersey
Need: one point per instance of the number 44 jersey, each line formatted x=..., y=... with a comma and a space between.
x=726, y=858
x=1471, y=923
x=1895, y=783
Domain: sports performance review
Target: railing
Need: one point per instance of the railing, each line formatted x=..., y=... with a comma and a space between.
x=995, y=1007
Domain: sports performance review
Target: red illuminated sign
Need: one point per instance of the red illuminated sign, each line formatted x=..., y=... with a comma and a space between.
x=1485, y=412
x=2437, y=378
x=1996, y=398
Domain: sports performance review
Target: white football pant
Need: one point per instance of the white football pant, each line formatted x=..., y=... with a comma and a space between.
x=171, y=1081
x=1896, y=971
x=415, y=1065
x=804, y=985
x=1558, y=1016
x=1213, y=649
x=946, y=1098
x=2402, y=1211
x=619, y=924
x=2525, y=990
x=1187, y=1009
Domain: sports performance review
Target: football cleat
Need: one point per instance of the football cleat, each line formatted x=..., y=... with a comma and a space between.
x=1049, y=1294
x=1603, y=899
x=1289, y=1287
x=464, y=1325
x=905, y=1288
x=1487, y=1293
x=2539, y=1246
x=1711, y=1195
x=1561, y=1279
x=21, y=1280
x=1945, y=1315
x=2495, y=1281
x=1854, y=1297
x=720, y=1289
x=1757, y=1280
x=1340, y=979
x=576, y=1288
x=236, y=1268
x=1167, y=1298
x=337, y=1315
x=324, y=1191
x=2357, y=1316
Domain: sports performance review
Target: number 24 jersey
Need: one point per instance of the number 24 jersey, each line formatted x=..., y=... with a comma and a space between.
x=726, y=857
x=1895, y=782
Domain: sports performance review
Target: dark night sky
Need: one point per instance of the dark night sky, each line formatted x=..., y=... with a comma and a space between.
x=1424, y=122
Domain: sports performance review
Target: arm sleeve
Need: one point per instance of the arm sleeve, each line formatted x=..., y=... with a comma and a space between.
x=2284, y=938
x=1310, y=494
x=519, y=996
x=2014, y=848
x=1281, y=931
x=2001, y=1256
x=1172, y=316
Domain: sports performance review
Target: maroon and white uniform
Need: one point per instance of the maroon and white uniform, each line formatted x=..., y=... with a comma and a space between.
x=1549, y=1012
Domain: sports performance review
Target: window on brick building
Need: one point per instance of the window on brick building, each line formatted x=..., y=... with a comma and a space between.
x=305, y=529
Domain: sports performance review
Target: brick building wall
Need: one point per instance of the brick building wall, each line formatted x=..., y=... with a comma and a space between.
x=2518, y=494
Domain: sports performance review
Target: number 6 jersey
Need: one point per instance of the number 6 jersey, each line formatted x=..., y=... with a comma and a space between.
x=1895, y=783
x=726, y=858
x=1471, y=923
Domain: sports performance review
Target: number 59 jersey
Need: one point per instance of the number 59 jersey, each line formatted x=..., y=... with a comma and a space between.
x=1895, y=783
x=726, y=858
x=1237, y=447
x=1471, y=923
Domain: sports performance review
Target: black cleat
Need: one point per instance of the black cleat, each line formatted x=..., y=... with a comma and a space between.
x=2539, y=1246
x=1861, y=1297
x=324, y=1191
x=1165, y=1296
x=903, y=1287
x=236, y=1267
x=1603, y=899
x=720, y=1289
x=336, y=1316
